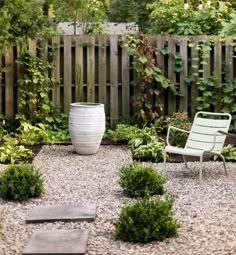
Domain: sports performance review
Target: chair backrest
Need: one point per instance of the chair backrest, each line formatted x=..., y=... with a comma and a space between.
x=204, y=126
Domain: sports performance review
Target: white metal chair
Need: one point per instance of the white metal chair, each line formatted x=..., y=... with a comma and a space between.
x=207, y=135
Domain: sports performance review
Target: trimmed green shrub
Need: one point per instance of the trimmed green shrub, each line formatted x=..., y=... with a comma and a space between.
x=139, y=181
x=146, y=220
x=20, y=182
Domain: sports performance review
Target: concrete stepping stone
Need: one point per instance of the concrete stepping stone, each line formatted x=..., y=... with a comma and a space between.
x=57, y=242
x=52, y=213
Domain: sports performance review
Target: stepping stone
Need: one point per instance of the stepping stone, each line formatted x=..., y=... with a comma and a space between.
x=51, y=213
x=57, y=242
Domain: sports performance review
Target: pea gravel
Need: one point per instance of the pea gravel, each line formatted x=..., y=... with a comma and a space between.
x=207, y=212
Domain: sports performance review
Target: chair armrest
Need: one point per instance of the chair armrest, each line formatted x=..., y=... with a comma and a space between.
x=221, y=132
x=226, y=133
x=175, y=128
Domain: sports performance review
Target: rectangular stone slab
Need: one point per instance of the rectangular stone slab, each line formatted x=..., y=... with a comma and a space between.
x=52, y=213
x=57, y=242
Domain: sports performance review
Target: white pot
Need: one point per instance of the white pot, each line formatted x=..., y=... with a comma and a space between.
x=86, y=126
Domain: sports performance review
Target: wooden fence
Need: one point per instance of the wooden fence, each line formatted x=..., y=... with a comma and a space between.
x=99, y=69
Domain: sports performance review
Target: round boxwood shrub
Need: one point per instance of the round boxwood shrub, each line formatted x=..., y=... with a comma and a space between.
x=138, y=180
x=20, y=182
x=146, y=220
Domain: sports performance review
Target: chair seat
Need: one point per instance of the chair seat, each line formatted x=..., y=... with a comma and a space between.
x=183, y=151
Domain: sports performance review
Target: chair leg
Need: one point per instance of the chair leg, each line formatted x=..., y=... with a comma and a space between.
x=200, y=173
x=223, y=159
x=185, y=161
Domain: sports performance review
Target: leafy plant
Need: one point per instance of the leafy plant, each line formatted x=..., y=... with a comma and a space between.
x=34, y=87
x=146, y=220
x=140, y=181
x=229, y=153
x=31, y=135
x=150, y=79
x=122, y=133
x=169, y=16
x=20, y=182
x=40, y=134
x=152, y=151
x=11, y=151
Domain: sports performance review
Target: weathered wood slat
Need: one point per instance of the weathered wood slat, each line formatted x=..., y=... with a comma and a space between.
x=56, y=69
x=125, y=79
x=79, y=69
x=218, y=59
x=183, y=85
x=90, y=69
x=67, y=73
x=102, y=69
x=171, y=74
x=32, y=106
x=229, y=57
x=114, y=79
x=195, y=68
x=9, y=103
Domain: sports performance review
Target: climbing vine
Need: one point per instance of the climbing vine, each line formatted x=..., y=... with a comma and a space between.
x=150, y=79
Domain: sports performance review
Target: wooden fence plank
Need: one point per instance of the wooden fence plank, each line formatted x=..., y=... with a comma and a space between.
x=207, y=61
x=114, y=79
x=67, y=73
x=183, y=85
x=91, y=69
x=218, y=59
x=79, y=69
x=125, y=79
x=32, y=107
x=171, y=74
x=9, y=99
x=160, y=44
x=229, y=57
x=102, y=69
x=56, y=68
x=195, y=68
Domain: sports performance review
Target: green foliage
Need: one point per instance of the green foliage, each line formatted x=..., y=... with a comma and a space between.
x=229, y=153
x=90, y=13
x=229, y=28
x=169, y=16
x=40, y=134
x=145, y=221
x=143, y=141
x=122, y=133
x=20, y=182
x=217, y=95
x=130, y=11
x=34, y=88
x=151, y=80
x=145, y=144
x=11, y=151
x=138, y=180
x=182, y=121
x=21, y=19
x=152, y=151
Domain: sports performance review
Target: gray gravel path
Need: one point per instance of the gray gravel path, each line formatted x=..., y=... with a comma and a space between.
x=207, y=212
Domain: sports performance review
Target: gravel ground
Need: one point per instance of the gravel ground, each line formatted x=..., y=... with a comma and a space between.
x=207, y=212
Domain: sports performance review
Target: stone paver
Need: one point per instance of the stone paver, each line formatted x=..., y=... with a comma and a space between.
x=57, y=242
x=51, y=213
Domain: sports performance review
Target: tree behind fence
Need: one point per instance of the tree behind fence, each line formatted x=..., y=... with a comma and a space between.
x=98, y=69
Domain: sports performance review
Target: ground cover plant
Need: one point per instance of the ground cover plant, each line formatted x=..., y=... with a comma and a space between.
x=143, y=142
x=20, y=182
x=146, y=220
x=138, y=180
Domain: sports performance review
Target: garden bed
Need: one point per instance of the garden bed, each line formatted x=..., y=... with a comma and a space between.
x=206, y=212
